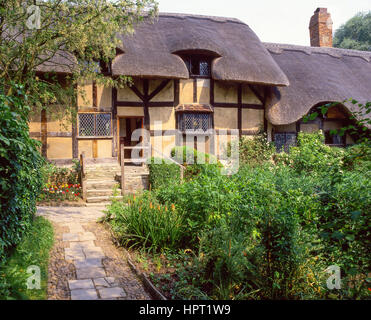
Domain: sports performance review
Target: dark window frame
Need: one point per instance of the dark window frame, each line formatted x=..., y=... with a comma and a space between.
x=94, y=129
x=194, y=60
x=286, y=145
x=182, y=125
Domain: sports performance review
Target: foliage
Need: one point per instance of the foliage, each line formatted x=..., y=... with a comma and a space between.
x=270, y=231
x=312, y=155
x=143, y=221
x=70, y=192
x=187, y=156
x=75, y=36
x=255, y=151
x=60, y=183
x=20, y=170
x=162, y=173
x=360, y=121
x=355, y=33
x=33, y=250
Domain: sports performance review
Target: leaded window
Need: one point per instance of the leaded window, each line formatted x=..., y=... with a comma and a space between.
x=284, y=140
x=198, y=65
x=194, y=121
x=94, y=124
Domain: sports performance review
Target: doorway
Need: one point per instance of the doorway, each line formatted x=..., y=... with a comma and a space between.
x=127, y=125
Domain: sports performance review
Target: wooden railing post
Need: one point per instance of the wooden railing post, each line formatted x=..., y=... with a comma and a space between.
x=122, y=160
x=83, y=176
x=181, y=173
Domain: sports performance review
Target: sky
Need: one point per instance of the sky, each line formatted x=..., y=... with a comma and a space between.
x=282, y=21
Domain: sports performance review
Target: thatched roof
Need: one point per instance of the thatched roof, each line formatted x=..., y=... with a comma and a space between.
x=151, y=50
x=317, y=75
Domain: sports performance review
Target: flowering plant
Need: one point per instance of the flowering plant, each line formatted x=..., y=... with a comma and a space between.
x=61, y=192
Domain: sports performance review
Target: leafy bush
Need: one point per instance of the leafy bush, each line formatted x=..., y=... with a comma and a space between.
x=33, y=250
x=270, y=231
x=142, y=221
x=60, y=184
x=20, y=170
x=162, y=173
x=186, y=156
x=312, y=155
x=58, y=175
x=255, y=151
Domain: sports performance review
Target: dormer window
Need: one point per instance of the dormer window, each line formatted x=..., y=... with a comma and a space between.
x=198, y=65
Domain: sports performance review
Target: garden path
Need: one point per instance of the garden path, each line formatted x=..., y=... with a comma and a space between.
x=84, y=264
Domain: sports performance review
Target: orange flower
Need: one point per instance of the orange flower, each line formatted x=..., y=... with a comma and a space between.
x=158, y=208
x=166, y=208
x=173, y=207
x=150, y=205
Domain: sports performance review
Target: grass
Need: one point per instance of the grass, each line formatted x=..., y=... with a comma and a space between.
x=33, y=250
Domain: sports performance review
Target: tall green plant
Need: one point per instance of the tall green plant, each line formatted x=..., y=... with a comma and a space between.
x=20, y=169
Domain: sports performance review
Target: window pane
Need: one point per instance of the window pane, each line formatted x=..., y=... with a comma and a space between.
x=204, y=68
x=86, y=124
x=279, y=141
x=195, y=67
x=195, y=121
x=284, y=141
x=103, y=124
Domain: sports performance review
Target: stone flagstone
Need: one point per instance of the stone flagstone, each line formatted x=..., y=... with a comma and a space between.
x=87, y=236
x=91, y=281
x=79, y=264
x=112, y=293
x=101, y=282
x=84, y=294
x=80, y=284
x=90, y=272
x=70, y=237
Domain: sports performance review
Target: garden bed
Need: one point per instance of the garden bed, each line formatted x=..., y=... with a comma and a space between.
x=267, y=232
x=33, y=250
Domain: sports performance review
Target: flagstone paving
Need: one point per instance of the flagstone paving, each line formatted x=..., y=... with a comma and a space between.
x=79, y=268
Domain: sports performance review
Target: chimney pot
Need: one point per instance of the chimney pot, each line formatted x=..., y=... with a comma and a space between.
x=320, y=28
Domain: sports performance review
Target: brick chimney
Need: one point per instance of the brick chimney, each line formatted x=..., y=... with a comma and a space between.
x=320, y=28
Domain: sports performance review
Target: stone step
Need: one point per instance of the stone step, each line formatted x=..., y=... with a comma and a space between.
x=101, y=176
x=101, y=199
x=98, y=204
x=100, y=184
x=101, y=192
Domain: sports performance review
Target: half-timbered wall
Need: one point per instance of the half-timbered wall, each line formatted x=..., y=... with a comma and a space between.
x=235, y=106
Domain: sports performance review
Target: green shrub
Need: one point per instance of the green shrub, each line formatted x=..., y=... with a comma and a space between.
x=312, y=155
x=255, y=151
x=162, y=173
x=143, y=222
x=270, y=231
x=32, y=250
x=20, y=170
x=186, y=156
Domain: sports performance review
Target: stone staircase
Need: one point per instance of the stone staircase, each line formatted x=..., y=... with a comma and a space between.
x=101, y=178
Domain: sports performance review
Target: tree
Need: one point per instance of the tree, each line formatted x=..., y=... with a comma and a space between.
x=355, y=33
x=69, y=35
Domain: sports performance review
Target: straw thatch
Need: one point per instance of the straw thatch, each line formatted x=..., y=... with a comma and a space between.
x=240, y=56
x=317, y=75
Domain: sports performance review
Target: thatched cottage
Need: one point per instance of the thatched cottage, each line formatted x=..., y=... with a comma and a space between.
x=199, y=72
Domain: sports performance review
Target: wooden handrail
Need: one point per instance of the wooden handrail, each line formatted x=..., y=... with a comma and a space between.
x=83, y=176
x=122, y=163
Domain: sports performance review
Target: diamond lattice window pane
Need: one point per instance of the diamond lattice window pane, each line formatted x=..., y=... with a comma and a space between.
x=195, y=121
x=86, y=124
x=204, y=68
x=103, y=124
